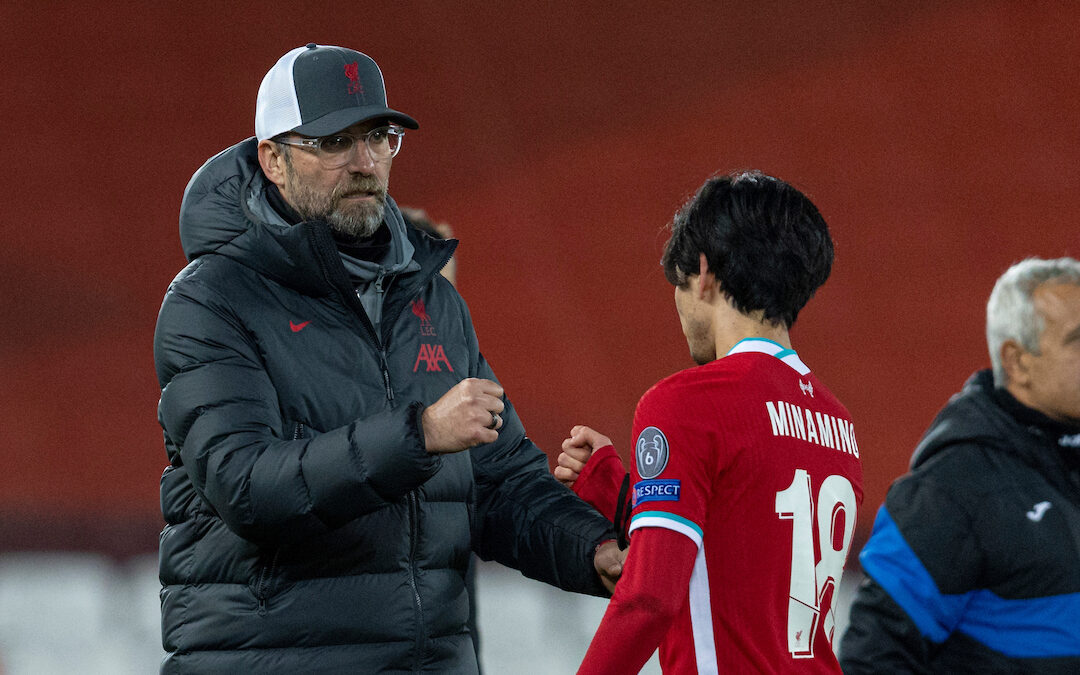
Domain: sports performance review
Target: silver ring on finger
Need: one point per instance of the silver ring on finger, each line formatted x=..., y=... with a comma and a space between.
x=495, y=419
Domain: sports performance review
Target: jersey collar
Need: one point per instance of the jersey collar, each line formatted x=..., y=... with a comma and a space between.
x=764, y=346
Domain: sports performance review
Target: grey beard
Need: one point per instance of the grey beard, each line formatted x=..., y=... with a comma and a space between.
x=359, y=226
x=360, y=223
x=311, y=205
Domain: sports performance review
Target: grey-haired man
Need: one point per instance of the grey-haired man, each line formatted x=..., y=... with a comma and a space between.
x=974, y=561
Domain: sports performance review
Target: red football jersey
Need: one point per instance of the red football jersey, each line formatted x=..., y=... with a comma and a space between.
x=755, y=462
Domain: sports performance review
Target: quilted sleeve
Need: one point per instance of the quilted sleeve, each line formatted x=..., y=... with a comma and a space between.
x=219, y=411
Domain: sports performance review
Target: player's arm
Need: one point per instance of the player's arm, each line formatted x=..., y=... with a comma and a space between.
x=590, y=466
x=653, y=588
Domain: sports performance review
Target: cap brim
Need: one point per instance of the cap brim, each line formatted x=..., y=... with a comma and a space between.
x=343, y=119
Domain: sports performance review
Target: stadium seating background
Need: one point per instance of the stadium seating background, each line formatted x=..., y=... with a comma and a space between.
x=938, y=138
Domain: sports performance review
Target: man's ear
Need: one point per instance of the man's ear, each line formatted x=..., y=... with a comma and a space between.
x=272, y=161
x=1014, y=359
x=706, y=279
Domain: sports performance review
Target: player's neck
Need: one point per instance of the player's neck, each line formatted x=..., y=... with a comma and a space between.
x=730, y=328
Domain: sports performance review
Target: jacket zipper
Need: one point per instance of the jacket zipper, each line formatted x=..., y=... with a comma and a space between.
x=262, y=589
x=414, y=526
x=263, y=592
x=379, y=299
x=376, y=323
x=379, y=295
x=386, y=375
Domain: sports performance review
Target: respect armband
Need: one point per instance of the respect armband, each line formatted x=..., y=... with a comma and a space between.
x=667, y=490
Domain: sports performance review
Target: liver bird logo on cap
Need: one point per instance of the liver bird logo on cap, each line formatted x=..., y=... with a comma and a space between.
x=352, y=71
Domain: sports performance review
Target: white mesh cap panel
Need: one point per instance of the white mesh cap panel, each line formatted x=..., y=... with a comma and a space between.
x=276, y=107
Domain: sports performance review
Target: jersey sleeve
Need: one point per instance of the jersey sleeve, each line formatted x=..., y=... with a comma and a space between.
x=653, y=587
x=600, y=481
x=672, y=465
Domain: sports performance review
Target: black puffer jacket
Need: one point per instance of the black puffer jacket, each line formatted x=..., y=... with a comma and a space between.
x=307, y=528
x=974, y=562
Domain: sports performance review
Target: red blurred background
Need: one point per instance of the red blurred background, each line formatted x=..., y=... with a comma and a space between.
x=938, y=138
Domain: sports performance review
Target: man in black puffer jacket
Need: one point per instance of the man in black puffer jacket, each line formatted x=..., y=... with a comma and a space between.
x=337, y=443
x=974, y=561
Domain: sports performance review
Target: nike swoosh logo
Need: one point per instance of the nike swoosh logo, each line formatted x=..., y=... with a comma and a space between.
x=297, y=327
x=1036, y=513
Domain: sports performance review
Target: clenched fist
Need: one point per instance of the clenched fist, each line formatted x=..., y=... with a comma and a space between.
x=465, y=416
x=608, y=561
x=576, y=451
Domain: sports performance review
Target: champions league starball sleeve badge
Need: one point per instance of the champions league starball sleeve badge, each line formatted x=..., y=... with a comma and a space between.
x=651, y=452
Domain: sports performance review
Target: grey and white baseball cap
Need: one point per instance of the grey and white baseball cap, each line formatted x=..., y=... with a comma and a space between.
x=318, y=90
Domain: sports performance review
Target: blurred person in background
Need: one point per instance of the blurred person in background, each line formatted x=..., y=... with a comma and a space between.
x=337, y=443
x=419, y=219
x=973, y=565
x=746, y=471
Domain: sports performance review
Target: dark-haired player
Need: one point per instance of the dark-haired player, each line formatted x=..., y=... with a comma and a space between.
x=746, y=473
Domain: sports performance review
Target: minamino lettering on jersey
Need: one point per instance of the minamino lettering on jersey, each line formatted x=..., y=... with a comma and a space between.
x=656, y=491
x=788, y=419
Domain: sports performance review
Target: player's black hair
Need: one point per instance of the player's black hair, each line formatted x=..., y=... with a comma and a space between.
x=765, y=242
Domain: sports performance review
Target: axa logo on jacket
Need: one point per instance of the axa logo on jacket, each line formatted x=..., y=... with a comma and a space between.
x=431, y=354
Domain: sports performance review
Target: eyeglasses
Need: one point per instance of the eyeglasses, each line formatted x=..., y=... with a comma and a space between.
x=336, y=150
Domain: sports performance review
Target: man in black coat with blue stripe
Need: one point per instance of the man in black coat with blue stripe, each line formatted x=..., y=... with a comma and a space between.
x=974, y=561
